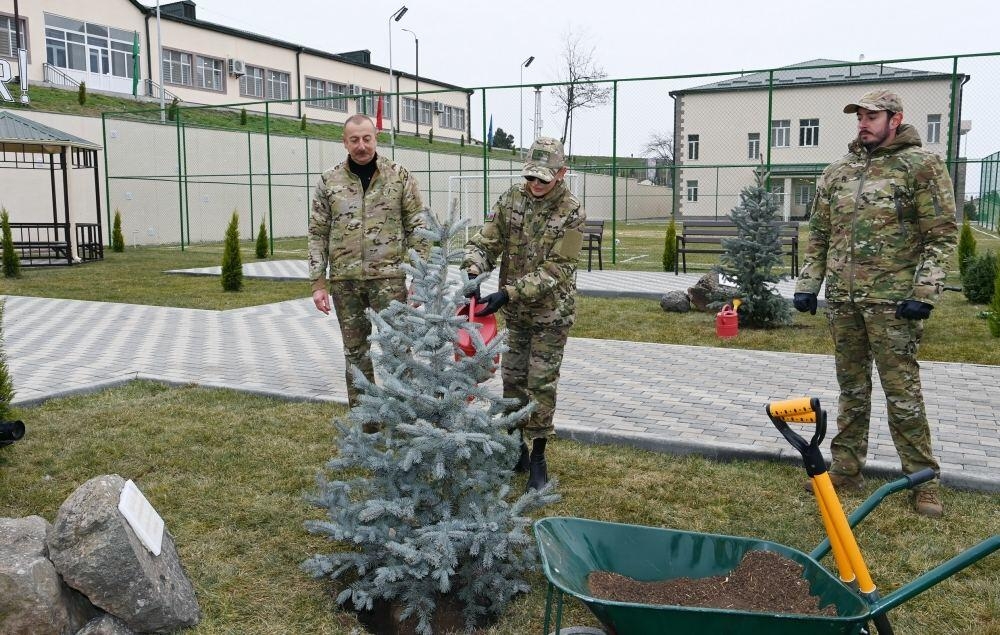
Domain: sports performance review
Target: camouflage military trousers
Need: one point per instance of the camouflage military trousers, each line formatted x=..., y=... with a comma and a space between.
x=350, y=299
x=530, y=371
x=863, y=333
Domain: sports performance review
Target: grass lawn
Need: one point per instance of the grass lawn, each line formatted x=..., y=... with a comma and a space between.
x=228, y=472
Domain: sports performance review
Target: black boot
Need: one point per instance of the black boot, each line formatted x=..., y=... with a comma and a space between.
x=538, y=473
x=522, y=461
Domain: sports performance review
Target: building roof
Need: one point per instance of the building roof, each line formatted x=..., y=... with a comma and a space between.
x=829, y=72
x=184, y=12
x=18, y=134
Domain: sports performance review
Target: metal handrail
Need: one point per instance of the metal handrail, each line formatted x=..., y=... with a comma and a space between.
x=53, y=75
x=152, y=87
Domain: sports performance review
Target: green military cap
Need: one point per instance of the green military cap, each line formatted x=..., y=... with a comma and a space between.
x=544, y=159
x=877, y=100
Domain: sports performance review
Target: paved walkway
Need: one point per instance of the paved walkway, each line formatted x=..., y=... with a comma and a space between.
x=681, y=399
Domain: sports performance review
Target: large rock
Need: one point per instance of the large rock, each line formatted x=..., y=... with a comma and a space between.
x=106, y=625
x=675, y=302
x=33, y=600
x=709, y=290
x=96, y=552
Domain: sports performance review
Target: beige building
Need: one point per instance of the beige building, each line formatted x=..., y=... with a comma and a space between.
x=724, y=129
x=73, y=41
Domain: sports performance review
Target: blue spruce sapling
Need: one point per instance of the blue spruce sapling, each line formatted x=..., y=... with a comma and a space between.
x=423, y=508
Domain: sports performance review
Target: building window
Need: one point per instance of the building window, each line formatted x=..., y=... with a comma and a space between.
x=933, y=128
x=368, y=105
x=693, y=147
x=80, y=46
x=692, y=191
x=252, y=84
x=317, y=88
x=208, y=73
x=452, y=117
x=409, y=109
x=426, y=115
x=176, y=68
x=804, y=194
x=753, y=145
x=8, y=36
x=276, y=84
x=808, y=132
x=781, y=133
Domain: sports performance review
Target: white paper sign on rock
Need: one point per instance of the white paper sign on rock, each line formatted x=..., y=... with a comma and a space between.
x=141, y=517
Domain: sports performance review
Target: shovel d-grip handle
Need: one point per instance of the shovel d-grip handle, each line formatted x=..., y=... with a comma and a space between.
x=801, y=410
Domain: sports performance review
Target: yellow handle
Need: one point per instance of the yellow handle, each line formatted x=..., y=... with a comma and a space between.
x=800, y=406
x=829, y=500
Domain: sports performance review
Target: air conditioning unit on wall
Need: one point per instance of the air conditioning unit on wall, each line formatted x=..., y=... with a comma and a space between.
x=438, y=107
x=237, y=67
x=355, y=90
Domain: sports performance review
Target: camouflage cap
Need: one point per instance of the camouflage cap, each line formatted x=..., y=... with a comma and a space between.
x=544, y=159
x=877, y=100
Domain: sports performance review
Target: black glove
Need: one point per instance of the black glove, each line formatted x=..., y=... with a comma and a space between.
x=492, y=303
x=913, y=310
x=473, y=293
x=805, y=302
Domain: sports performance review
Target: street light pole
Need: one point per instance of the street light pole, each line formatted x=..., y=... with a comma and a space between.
x=416, y=73
x=520, y=96
x=395, y=17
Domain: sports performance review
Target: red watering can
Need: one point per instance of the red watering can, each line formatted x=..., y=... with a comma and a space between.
x=487, y=328
x=727, y=321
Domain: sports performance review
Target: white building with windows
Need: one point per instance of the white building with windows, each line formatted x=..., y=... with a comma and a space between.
x=725, y=129
x=91, y=41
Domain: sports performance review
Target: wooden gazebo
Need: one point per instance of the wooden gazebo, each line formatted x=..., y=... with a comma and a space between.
x=29, y=145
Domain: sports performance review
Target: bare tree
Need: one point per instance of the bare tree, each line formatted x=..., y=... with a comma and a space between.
x=578, y=76
x=661, y=147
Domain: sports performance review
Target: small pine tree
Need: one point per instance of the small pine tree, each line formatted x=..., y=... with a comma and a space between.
x=173, y=109
x=670, y=246
x=966, y=246
x=11, y=261
x=430, y=135
x=243, y=116
x=232, y=262
x=977, y=283
x=461, y=141
x=261, y=247
x=751, y=258
x=6, y=381
x=81, y=93
x=993, y=319
x=302, y=123
x=117, y=238
x=422, y=508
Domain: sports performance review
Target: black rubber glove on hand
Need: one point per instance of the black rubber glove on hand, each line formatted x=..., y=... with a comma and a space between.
x=492, y=303
x=805, y=302
x=473, y=293
x=913, y=310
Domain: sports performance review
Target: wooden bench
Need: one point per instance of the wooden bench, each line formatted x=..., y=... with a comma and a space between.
x=593, y=235
x=705, y=237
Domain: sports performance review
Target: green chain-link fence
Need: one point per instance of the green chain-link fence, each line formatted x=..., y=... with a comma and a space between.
x=651, y=149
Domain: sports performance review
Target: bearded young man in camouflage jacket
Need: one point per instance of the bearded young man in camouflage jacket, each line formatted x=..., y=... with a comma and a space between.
x=881, y=232
x=534, y=230
x=365, y=213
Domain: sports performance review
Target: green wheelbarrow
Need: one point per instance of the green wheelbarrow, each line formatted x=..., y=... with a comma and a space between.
x=571, y=548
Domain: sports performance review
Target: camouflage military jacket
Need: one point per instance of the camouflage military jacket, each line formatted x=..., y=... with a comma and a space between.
x=538, y=242
x=882, y=226
x=363, y=235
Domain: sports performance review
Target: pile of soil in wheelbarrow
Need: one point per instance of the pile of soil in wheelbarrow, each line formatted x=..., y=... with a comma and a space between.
x=764, y=582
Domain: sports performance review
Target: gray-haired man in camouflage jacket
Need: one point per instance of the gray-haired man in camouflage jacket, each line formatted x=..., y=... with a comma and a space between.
x=365, y=212
x=881, y=232
x=534, y=231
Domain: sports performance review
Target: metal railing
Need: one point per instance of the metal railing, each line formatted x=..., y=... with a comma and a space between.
x=153, y=90
x=48, y=244
x=56, y=77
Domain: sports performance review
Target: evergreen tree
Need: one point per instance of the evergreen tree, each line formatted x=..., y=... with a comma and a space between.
x=117, y=238
x=243, y=116
x=11, y=261
x=966, y=246
x=503, y=140
x=993, y=317
x=302, y=123
x=232, y=262
x=423, y=507
x=261, y=247
x=173, y=109
x=752, y=257
x=81, y=93
x=6, y=382
x=670, y=246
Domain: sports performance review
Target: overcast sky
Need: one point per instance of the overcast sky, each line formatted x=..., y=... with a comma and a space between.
x=472, y=43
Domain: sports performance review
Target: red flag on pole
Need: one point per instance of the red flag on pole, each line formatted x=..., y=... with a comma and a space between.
x=378, y=113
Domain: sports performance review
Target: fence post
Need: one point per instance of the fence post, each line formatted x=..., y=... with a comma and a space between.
x=180, y=175
x=614, y=172
x=270, y=197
